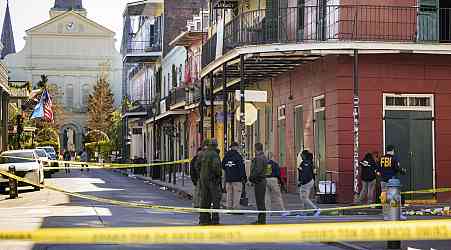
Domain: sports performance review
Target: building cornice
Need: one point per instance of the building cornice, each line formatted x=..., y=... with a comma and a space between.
x=330, y=48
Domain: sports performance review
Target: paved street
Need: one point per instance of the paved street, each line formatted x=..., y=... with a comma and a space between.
x=45, y=209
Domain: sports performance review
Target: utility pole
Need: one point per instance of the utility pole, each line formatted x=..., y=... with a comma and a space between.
x=356, y=118
x=242, y=114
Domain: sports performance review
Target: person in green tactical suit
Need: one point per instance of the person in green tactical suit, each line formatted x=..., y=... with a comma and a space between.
x=258, y=178
x=210, y=183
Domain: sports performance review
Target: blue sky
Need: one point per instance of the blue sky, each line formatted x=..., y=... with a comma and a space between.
x=28, y=13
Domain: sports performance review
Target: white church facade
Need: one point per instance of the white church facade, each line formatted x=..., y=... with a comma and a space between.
x=72, y=51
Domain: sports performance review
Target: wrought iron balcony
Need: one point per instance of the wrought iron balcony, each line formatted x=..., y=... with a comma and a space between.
x=138, y=47
x=138, y=108
x=142, y=51
x=177, y=96
x=192, y=95
x=307, y=24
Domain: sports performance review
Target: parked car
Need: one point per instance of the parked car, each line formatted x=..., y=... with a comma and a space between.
x=27, y=166
x=50, y=151
x=52, y=155
x=44, y=161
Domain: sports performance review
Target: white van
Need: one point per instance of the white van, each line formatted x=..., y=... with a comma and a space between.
x=27, y=166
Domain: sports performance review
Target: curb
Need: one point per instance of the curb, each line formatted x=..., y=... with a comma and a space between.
x=169, y=186
x=347, y=245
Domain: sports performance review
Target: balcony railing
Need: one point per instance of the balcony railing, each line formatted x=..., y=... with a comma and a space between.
x=139, y=47
x=192, y=96
x=209, y=51
x=177, y=96
x=332, y=24
x=138, y=106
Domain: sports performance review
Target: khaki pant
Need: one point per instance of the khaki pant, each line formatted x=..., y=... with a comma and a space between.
x=304, y=193
x=384, y=187
x=273, y=193
x=368, y=191
x=196, y=196
x=233, y=196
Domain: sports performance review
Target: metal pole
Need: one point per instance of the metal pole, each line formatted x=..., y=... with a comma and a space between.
x=201, y=105
x=356, y=116
x=225, y=111
x=242, y=114
x=155, y=141
x=232, y=121
x=212, y=108
x=13, y=183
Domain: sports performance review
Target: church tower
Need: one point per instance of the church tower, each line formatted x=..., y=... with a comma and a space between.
x=7, y=38
x=62, y=6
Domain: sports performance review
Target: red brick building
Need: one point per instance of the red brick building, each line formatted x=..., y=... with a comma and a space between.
x=314, y=57
x=393, y=77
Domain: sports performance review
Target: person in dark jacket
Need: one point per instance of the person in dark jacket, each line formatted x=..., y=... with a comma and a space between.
x=258, y=178
x=194, y=174
x=210, y=183
x=369, y=168
x=389, y=167
x=306, y=180
x=66, y=157
x=235, y=175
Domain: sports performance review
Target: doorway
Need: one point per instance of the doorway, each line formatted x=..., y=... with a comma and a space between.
x=445, y=20
x=409, y=127
x=319, y=125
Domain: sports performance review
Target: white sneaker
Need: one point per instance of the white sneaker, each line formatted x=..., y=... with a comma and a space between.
x=317, y=213
x=402, y=217
x=285, y=214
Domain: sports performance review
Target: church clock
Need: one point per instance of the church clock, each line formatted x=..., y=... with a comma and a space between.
x=70, y=26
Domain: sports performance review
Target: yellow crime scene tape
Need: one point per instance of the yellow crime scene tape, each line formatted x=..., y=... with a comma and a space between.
x=95, y=165
x=179, y=209
x=428, y=191
x=182, y=209
x=292, y=233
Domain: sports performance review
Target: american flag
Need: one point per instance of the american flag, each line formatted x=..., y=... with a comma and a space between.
x=47, y=103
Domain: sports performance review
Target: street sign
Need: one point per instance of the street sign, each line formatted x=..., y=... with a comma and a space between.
x=253, y=96
x=251, y=114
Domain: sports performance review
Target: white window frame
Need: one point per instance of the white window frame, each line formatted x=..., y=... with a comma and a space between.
x=279, y=109
x=316, y=98
x=431, y=109
x=409, y=108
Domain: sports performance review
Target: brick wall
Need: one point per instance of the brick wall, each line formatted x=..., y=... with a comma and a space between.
x=176, y=13
x=332, y=76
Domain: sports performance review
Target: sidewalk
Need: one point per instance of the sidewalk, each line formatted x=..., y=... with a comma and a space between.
x=184, y=187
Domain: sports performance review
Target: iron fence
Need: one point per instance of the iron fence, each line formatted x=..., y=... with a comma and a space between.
x=177, y=95
x=305, y=24
x=138, y=47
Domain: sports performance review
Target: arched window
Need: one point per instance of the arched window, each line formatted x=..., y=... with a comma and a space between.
x=69, y=93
